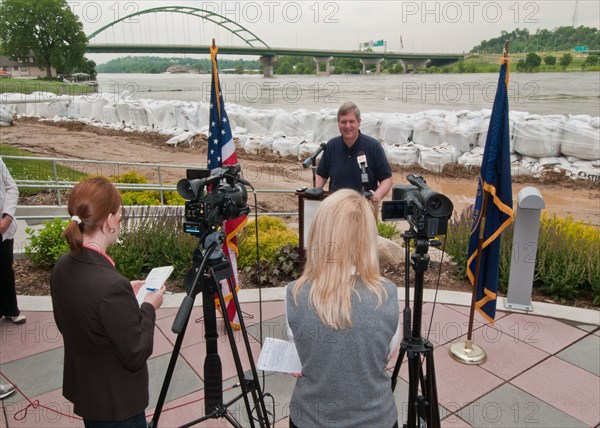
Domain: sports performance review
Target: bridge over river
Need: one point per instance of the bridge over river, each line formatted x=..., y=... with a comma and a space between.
x=252, y=44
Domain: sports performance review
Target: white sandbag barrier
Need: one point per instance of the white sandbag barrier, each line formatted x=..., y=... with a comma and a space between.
x=431, y=138
x=5, y=116
x=580, y=139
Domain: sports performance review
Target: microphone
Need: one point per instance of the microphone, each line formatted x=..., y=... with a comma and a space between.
x=362, y=162
x=232, y=171
x=312, y=157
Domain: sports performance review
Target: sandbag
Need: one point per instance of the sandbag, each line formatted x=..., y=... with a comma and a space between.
x=110, y=114
x=581, y=140
x=5, y=116
x=138, y=115
x=396, y=130
x=435, y=158
x=286, y=146
x=406, y=154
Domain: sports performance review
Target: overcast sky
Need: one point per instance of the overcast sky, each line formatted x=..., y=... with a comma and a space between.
x=407, y=26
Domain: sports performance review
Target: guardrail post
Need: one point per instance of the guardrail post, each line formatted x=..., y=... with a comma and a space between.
x=524, y=250
x=55, y=171
x=160, y=183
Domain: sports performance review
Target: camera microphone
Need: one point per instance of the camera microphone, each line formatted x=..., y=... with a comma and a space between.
x=312, y=157
x=232, y=171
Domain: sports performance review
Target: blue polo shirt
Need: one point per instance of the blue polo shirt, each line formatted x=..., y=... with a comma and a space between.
x=339, y=164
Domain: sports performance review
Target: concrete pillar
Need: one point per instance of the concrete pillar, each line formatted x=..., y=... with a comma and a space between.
x=371, y=61
x=524, y=250
x=416, y=64
x=327, y=61
x=267, y=62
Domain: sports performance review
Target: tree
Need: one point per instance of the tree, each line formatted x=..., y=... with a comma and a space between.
x=565, y=60
x=592, y=59
x=532, y=61
x=87, y=66
x=550, y=60
x=46, y=28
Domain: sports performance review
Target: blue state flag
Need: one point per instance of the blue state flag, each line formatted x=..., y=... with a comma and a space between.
x=495, y=191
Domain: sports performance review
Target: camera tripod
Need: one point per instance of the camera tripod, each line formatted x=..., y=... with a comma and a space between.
x=210, y=266
x=423, y=410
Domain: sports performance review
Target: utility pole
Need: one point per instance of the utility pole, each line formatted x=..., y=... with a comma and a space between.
x=575, y=13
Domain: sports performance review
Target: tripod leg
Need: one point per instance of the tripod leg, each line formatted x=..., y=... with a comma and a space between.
x=246, y=386
x=414, y=368
x=396, y=371
x=259, y=403
x=431, y=388
x=167, y=381
x=213, y=373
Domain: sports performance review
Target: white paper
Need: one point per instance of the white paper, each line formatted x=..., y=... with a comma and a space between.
x=155, y=279
x=279, y=356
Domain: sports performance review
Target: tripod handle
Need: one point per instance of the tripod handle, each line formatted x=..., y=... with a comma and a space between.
x=183, y=314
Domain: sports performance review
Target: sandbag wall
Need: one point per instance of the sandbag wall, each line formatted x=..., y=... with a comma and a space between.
x=431, y=138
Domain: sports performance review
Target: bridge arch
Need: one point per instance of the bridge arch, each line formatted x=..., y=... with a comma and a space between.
x=233, y=27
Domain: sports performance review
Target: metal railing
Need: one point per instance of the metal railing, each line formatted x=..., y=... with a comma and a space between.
x=115, y=169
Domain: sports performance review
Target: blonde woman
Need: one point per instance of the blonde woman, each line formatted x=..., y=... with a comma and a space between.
x=343, y=316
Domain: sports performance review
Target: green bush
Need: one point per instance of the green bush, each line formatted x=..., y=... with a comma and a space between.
x=173, y=198
x=46, y=246
x=131, y=177
x=567, y=256
x=285, y=268
x=273, y=234
x=387, y=230
x=145, y=197
x=154, y=238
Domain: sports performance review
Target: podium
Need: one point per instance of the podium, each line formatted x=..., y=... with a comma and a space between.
x=308, y=203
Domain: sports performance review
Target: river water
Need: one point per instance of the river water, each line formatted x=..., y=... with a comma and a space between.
x=541, y=93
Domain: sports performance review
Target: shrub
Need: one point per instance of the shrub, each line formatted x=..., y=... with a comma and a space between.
x=273, y=234
x=285, y=268
x=173, y=198
x=568, y=258
x=567, y=255
x=456, y=241
x=155, y=238
x=131, y=177
x=387, y=230
x=144, y=197
x=47, y=246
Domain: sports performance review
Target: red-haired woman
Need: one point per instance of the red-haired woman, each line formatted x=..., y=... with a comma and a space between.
x=108, y=337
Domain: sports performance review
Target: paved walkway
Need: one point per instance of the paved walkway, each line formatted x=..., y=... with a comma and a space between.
x=543, y=368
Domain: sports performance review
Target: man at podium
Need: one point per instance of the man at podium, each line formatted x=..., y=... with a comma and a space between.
x=354, y=160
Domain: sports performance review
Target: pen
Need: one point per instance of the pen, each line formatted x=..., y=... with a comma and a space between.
x=156, y=289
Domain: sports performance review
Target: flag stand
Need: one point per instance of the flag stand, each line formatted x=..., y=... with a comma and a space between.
x=467, y=352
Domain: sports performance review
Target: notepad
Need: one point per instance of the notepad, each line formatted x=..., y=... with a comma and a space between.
x=279, y=356
x=155, y=279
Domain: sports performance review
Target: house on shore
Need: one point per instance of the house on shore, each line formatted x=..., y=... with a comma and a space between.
x=24, y=67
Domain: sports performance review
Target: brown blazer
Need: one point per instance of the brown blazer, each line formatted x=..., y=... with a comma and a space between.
x=107, y=337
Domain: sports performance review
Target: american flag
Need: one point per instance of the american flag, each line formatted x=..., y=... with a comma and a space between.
x=221, y=151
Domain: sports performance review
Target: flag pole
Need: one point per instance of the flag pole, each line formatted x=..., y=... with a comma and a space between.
x=467, y=352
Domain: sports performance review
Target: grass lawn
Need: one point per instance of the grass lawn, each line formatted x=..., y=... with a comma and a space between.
x=27, y=86
x=35, y=170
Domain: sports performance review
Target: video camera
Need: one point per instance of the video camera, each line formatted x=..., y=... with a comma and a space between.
x=206, y=208
x=425, y=209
